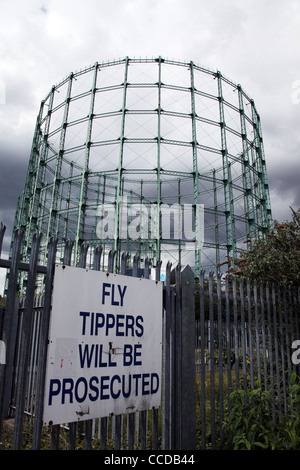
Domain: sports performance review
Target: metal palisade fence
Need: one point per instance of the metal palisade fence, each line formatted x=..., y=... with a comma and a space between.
x=246, y=339
x=24, y=328
x=220, y=334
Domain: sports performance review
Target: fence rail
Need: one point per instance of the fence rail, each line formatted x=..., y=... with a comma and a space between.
x=219, y=334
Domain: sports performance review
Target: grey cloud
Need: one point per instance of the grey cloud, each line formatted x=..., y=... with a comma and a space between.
x=13, y=170
x=253, y=43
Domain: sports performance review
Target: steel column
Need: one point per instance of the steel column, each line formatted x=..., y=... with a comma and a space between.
x=120, y=164
x=230, y=230
x=85, y=169
x=246, y=171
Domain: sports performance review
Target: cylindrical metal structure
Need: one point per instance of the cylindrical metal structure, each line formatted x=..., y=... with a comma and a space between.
x=150, y=135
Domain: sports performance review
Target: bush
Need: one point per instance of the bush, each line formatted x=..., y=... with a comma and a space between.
x=250, y=424
x=278, y=254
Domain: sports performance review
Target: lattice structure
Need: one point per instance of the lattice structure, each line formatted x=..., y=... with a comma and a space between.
x=156, y=132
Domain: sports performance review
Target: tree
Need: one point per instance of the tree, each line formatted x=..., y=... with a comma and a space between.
x=275, y=258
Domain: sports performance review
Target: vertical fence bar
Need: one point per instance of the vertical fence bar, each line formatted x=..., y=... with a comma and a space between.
x=257, y=342
x=270, y=344
x=119, y=418
x=263, y=333
x=103, y=433
x=202, y=359
x=55, y=435
x=97, y=258
x=155, y=411
x=295, y=315
x=275, y=329
x=235, y=329
x=177, y=365
x=2, y=351
x=188, y=368
x=220, y=346
x=131, y=416
x=43, y=342
x=88, y=424
x=291, y=332
x=250, y=332
x=55, y=430
x=292, y=326
x=25, y=344
x=172, y=362
x=282, y=349
x=104, y=421
x=228, y=339
x=88, y=435
x=166, y=395
x=144, y=414
x=172, y=339
x=136, y=430
x=9, y=369
x=243, y=336
x=212, y=359
x=72, y=426
x=68, y=252
x=2, y=363
x=33, y=360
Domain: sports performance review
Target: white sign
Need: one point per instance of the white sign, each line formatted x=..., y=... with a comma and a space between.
x=105, y=346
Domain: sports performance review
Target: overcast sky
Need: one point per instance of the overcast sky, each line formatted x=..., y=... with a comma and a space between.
x=253, y=42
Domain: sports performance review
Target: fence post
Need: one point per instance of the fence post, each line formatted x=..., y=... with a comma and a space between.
x=188, y=367
x=166, y=395
x=9, y=326
x=43, y=344
x=155, y=411
x=25, y=344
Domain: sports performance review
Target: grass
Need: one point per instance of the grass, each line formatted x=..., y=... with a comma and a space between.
x=80, y=441
x=208, y=406
x=46, y=438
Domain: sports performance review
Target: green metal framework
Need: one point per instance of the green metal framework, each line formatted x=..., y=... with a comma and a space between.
x=157, y=131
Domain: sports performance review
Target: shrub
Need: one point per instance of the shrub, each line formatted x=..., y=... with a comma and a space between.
x=250, y=424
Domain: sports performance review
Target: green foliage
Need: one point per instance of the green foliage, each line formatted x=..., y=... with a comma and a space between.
x=275, y=258
x=250, y=424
